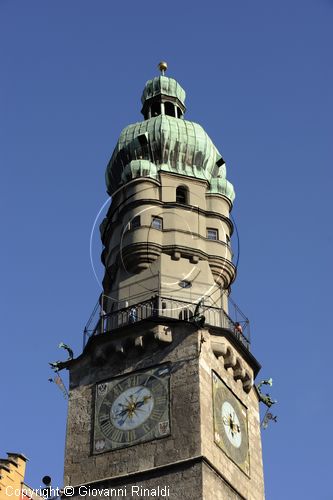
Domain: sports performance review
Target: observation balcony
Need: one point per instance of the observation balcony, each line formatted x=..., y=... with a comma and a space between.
x=164, y=308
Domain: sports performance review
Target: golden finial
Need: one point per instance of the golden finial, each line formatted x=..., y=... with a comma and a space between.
x=162, y=66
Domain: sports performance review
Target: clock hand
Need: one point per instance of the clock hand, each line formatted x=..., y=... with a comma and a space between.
x=233, y=420
x=230, y=423
x=139, y=390
x=227, y=421
x=129, y=408
x=141, y=403
x=234, y=428
x=121, y=413
x=121, y=422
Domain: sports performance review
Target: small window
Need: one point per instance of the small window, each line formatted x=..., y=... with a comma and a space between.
x=185, y=284
x=228, y=240
x=212, y=234
x=169, y=109
x=157, y=223
x=155, y=109
x=181, y=195
x=135, y=222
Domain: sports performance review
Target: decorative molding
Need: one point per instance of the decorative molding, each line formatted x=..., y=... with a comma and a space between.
x=230, y=360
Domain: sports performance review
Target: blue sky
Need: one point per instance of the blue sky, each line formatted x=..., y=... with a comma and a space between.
x=259, y=78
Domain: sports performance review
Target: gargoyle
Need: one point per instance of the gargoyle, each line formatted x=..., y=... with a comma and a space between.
x=265, y=398
x=68, y=349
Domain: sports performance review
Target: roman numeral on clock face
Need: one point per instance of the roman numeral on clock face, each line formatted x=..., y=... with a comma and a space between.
x=130, y=436
x=133, y=381
x=116, y=435
x=104, y=420
x=159, y=400
x=146, y=427
x=117, y=389
x=156, y=414
x=106, y=427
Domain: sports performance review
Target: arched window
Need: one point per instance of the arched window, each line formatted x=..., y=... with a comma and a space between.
x=169, y=108
x=181, y=195
x=155, y=109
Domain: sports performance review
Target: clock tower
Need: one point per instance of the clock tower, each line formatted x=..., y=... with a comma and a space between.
x=162, y=401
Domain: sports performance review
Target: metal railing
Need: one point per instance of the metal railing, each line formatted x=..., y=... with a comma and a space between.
x=167, y=308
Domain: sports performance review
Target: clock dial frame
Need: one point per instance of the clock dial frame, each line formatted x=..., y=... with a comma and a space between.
x=132, y=409
x=230, y=424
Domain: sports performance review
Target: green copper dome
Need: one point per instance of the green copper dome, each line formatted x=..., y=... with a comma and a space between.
x=162, y=85
x=166, y=143
x=220, y=185
x=139, y=168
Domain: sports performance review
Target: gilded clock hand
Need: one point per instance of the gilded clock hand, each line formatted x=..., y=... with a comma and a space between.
x=128, y=410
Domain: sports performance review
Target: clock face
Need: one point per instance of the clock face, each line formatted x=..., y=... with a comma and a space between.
x=132, y=409
x=230, y=424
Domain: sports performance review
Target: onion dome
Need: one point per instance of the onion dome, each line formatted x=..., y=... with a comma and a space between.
x=165, y=87
x=220, y=185
x=164, y=141
x=139, y=168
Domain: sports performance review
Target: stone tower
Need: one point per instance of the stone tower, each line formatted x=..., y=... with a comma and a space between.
x=162, y=401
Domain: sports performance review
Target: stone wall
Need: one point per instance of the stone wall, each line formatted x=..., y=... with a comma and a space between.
x=250, y=485
x=191, y=410
x=81, y=466
x=178, y=482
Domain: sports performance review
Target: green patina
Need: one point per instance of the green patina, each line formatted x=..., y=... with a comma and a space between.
x=162, y=85
x=166, y=143
x=139, y=168
x=220, y=185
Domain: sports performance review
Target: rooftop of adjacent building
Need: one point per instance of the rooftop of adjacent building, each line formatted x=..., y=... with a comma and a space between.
x=12, y=475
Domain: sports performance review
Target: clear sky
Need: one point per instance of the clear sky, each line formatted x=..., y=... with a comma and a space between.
x=259, y=78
